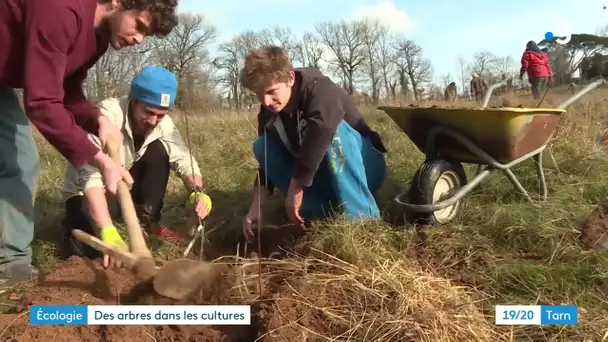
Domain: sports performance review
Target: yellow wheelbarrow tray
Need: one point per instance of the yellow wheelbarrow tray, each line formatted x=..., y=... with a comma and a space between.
x=492, y=138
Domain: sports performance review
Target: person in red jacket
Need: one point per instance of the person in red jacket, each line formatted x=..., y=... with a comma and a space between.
x=46, y=49
x=536, y=63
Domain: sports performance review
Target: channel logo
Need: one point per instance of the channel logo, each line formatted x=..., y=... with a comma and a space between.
x=561, y=36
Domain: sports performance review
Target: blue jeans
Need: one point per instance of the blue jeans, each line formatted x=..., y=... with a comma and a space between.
x=19, y=170
x=348, y=179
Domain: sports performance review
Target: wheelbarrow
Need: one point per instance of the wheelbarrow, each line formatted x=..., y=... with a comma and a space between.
x=492, y=138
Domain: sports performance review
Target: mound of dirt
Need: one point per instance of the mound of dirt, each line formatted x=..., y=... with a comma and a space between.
x=319, y=300
x=85, y=282
x=501, y=103
x=594, y=231
x=299, y=300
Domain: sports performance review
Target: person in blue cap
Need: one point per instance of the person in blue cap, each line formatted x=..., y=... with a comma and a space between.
x=151, y=147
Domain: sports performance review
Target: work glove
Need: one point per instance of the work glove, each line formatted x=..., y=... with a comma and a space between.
x=202, y=203
x=111, y=236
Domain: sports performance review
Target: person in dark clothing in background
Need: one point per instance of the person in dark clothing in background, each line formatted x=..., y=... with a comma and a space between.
x=478, y=87
x=535, y=63
x=451, y=94
x=313, y=144
x=46, y=49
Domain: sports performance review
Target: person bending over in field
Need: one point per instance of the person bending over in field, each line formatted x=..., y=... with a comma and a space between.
x=451, y=94
x=46, y=49
x=151, y=147
x=313, y=144
x=536, y=63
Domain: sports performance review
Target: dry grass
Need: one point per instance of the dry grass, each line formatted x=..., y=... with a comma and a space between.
x=371, y=282
x=388, y=300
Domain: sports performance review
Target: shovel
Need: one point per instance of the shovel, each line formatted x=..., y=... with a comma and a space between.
x=177, y=279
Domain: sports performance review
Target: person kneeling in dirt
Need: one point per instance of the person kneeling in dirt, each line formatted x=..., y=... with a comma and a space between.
x=151, y=147
x=313, y=144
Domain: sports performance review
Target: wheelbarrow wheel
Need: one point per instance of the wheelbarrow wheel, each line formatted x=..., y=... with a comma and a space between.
x=435, y=181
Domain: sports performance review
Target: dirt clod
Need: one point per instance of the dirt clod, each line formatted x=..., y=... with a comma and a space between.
x=144, y=268
x=594, y=231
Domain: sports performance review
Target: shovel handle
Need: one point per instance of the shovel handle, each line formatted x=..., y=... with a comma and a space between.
x=136, y=236
x=128, y=258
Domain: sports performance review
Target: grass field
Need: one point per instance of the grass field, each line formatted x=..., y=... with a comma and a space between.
x=380, y=282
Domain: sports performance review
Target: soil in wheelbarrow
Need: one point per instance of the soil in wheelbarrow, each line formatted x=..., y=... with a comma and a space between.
x=594, y=229
x=498, y=102
x=85, y=282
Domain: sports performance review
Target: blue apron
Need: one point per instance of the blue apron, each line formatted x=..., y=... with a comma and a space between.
x=347, y=180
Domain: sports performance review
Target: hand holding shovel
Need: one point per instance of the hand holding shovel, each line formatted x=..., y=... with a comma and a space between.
x=176, y=279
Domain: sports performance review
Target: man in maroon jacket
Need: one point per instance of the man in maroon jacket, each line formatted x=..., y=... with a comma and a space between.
x=46, y=49
x=536, y=63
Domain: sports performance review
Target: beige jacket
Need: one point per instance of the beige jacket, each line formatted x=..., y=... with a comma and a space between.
x=79, y=180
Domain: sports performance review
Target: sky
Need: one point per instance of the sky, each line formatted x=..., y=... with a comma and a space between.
x=445, y=29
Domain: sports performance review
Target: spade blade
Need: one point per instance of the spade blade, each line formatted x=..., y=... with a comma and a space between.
x=180, y=278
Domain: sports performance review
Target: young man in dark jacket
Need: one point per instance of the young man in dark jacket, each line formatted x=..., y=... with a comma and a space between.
x=536, y=63
x=46, y=49
x=313, y=144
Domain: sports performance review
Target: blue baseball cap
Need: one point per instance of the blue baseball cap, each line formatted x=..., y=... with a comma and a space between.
x=155, y=86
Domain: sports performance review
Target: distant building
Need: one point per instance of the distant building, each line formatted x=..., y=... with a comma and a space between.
x=593, y=66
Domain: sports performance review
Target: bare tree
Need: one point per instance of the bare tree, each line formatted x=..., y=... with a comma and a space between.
x=309, y=51
x=385, y=55
x=462, y=63
x=184, y=50
x=109, y=70
x=284, y=38
x=447, y=79
x=231, y=61
x=504, y=65
x=371, y=37
x=411, y=62
x=140, y=55
x=346, y=42
x=114, y=70
x=404, y=83
x=482, y=63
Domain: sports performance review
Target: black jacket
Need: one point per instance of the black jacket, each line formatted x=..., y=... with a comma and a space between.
x=310, y=120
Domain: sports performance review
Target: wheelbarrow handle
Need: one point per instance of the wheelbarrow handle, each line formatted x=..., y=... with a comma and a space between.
x=582, y=92
x=486, y=98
